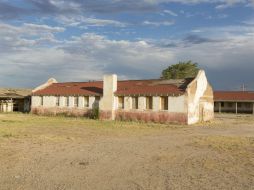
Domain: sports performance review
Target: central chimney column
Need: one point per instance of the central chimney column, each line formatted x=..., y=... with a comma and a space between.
x=108, y=102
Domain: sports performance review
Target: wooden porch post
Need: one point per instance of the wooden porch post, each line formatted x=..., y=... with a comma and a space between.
x=11, y=105
x=236, y=111
x=253, y=108
x=219, y=107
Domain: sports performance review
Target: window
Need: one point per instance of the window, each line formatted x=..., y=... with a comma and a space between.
x=58, y=101
x=248, y=105
x=149, y=102
x=134, y=102
x=239, y=105
x=120, y=102
x=230, y=104
x=67, y=101
x=164, y=103
x=222, y=104
x=75, y=101
x=41, y=100
x=86, y=101
x=96, y=102
x=97, y=98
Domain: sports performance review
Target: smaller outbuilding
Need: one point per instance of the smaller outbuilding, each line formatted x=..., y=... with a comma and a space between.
x=15, y=100
x=234, y=102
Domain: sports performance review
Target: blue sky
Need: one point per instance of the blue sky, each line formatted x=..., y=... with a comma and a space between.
x=80, y=40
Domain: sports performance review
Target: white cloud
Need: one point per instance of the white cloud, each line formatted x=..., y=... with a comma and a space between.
x=83, y=57
x=82, y=21
x=171, y=13
x=158, y=23
x=89, y=56
x=19, y=38
x=221, y=4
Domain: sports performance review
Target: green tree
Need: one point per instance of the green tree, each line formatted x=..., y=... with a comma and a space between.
x=181, y=70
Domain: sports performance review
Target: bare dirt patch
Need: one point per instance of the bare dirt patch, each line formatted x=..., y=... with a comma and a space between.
x=68, y=153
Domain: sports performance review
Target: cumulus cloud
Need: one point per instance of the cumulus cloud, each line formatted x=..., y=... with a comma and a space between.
x=224, y=51
x=17, y=38
x=31, y=53
x=80, y=58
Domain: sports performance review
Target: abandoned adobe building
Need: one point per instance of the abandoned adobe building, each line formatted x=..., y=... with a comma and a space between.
x=15, y=100
x=234, y=102
x=185, y=101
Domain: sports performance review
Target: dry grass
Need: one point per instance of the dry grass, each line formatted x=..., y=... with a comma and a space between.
x=33, y=126
x=226, y=143
x=39, y=152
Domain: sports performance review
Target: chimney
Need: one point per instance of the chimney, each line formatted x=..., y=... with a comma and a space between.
x=108, y=101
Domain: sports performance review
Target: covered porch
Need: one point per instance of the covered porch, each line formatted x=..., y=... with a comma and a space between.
x=234, y=102
x=14, y=100
x=236, y=107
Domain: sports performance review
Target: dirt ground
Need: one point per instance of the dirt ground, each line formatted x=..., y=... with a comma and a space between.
x=67, y=153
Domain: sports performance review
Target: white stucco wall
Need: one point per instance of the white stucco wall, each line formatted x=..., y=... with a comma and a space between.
x=207, y=111
x=141, y=103
x=62, y=102
x=156, y=103
x=80, y=102
x=49, y=101
x=176, y=104
x=194, y=103
x=127, y=103
x=35, y=101
x=71, y=101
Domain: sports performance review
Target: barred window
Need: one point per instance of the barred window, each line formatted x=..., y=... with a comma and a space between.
x=75, y=101
x=86, y=101
x=97, y=98
x=67, y=101
x=41, y=100
x=149, y=102
x=164, y=103
x=134, y=102
x=120, y=102
x=58, y=101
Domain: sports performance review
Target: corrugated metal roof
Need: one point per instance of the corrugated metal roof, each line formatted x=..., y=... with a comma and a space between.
x=128, y=87
x=14, y=92
x=72, y=88
x=234, y=96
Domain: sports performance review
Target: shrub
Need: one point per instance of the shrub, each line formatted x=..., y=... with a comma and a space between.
x=94, y=113
x=66, y=112
x=156, y=117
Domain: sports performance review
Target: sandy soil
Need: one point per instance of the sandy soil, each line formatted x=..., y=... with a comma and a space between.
x=66, y=153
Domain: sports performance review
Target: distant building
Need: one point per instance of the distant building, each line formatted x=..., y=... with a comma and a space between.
x=14, y=100
x=181, y=101
x=234, y=102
